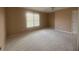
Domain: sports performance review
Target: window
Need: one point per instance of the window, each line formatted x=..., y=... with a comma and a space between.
x=32, y=19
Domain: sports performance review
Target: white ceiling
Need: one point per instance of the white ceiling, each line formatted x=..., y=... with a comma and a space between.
x=46, y=9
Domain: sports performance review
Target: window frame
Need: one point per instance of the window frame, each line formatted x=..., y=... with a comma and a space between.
x=33, y=19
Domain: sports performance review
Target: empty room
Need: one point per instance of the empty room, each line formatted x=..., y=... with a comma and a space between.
x=39, y=28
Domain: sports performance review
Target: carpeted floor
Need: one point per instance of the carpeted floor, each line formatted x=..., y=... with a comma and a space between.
x=42, y=40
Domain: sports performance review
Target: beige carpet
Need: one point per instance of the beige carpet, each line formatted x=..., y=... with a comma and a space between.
x=42, y=40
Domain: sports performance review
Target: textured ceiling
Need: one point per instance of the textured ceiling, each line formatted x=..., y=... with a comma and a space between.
x=46, y=9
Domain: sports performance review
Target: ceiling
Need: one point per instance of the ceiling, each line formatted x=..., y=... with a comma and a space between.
x=46, y=9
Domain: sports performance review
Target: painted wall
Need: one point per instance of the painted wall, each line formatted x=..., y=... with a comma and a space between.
x=2, y=27
x=75, y=20
x=16, y=20
x=78, y=32
x=51, y=20
x=63, y=20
